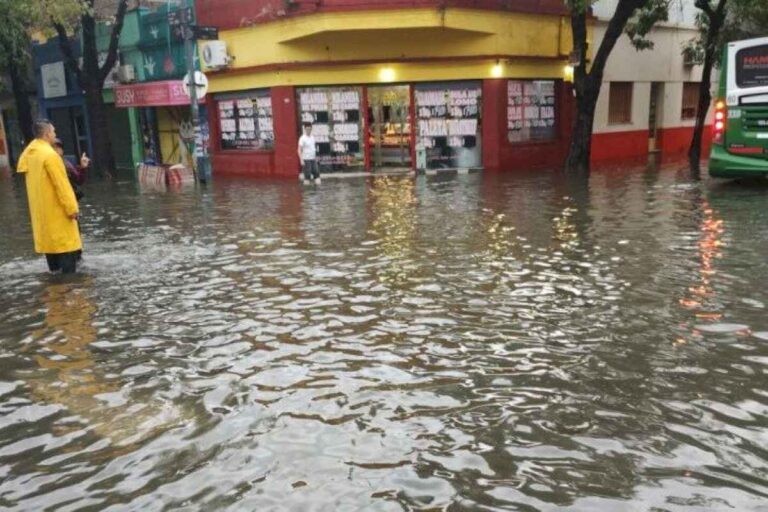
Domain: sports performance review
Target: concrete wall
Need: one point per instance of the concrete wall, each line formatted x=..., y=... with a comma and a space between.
x=664, y=64
x=682, y=13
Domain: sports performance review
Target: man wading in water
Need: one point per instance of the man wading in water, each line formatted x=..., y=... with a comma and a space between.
x=52, y=204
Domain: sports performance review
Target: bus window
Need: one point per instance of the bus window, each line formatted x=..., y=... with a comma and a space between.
x=752, y=67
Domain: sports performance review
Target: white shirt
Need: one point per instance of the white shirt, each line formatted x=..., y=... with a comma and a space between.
x=307, y=147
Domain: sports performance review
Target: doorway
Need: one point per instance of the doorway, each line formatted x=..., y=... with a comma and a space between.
x=654, y=114
x=389, y=131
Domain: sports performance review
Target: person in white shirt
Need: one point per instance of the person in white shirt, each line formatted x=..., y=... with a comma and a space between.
x=308, y=156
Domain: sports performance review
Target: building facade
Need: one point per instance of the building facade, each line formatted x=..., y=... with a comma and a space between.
x=152, y=89
x=60, y=97
x=649, y=98
x=11, y=138
x=428, y=84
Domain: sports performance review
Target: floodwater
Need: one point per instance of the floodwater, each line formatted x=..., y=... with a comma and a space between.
x=458, y=343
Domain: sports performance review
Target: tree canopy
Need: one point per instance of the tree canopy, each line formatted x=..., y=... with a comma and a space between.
x=744, y=19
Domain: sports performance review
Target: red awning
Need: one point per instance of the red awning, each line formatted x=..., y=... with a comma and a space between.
x=151, y=94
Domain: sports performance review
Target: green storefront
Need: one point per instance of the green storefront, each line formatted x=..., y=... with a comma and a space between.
x=123, y=123
x=155, y=55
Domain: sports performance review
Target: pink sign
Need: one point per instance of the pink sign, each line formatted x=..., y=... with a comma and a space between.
x=151, y=94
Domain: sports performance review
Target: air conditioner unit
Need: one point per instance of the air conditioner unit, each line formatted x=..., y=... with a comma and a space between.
x=126, y=74
x=215, y=54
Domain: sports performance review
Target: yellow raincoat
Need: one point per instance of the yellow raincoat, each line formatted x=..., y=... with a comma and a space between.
x=51, y=199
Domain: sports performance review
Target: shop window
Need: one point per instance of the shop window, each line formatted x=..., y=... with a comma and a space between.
x=245, y=121
x=620, y=103
x=336, y=124
x=448, y=126
x=531, y=110
x=690, y=100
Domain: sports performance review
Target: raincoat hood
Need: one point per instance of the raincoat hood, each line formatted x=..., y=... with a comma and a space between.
x=34, y=148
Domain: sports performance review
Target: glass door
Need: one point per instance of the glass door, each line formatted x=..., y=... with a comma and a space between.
x=389, y=126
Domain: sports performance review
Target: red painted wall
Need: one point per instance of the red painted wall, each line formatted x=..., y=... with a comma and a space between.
x=674, y=141
x=673, y=144
x=501, y=155
x=227, y=14
x=285, y=114
x=619, y=145
x=281, y=162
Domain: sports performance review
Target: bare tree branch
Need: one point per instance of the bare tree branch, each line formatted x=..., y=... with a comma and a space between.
x=114, y=41
x=69, y=55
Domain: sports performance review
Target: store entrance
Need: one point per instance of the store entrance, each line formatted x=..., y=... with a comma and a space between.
x=389, y=126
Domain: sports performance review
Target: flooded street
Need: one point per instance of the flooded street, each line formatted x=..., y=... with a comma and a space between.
x=459, y=343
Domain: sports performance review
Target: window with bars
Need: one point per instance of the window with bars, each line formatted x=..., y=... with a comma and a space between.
x=620, y=103
x=690, y=100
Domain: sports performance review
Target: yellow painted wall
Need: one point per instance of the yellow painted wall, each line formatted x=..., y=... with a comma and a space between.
x=373, y=73
x=168, y=132
x=394, y=35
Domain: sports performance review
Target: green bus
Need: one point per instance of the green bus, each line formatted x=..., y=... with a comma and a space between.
x=740, y=130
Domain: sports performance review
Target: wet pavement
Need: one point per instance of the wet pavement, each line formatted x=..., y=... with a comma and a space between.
x=459, y=343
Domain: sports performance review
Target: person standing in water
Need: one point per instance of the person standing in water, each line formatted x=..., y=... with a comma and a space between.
x=76, y=177
x=53, y=206
x=308, y=156
x=75, y=174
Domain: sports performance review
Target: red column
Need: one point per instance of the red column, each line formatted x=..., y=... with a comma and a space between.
x=567, y=113
x=493, y=122
x=285, y=116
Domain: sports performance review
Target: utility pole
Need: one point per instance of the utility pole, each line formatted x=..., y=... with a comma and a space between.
x=184, y=22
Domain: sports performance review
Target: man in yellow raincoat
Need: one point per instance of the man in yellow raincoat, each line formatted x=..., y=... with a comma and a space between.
x=52, y=204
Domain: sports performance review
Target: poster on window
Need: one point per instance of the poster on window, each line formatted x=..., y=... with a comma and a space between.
x=246, y=123
x=336, y=124
x=531, y=110
x=752, y=67
x=448, y=124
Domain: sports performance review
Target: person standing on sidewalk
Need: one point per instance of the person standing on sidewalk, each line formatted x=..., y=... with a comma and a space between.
x=308, y=156
x=53, y=206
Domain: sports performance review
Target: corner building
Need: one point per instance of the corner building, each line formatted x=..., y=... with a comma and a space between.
x=417, y=84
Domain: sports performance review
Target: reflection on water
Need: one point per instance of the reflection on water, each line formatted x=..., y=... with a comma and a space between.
x=431, y=343
x=393, y=205
x=66, y=335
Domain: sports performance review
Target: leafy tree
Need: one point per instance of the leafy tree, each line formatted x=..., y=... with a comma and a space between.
x=636, y=18
x=719, y=21
x=19, y=19
x=91, y=76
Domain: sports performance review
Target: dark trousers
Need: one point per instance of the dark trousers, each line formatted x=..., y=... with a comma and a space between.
x=311, y=170
x=66, y=262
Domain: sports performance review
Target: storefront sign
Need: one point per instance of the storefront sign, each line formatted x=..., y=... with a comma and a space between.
x=335, y=117
x=151, y=94
x=246, y=122
x=531, y=112
x=54, y=80
x=449, y=124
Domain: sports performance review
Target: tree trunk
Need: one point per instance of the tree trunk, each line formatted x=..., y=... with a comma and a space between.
x=587, y=83
x=103, y=159
x=21, y=97
x=580, y=152
x=91, y=78
x=705, y=98
x=716, y=20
